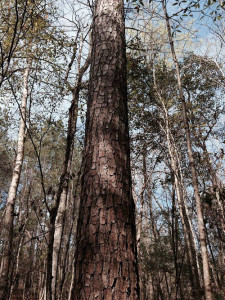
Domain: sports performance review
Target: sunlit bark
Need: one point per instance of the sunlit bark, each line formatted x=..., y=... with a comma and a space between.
x=106, y=263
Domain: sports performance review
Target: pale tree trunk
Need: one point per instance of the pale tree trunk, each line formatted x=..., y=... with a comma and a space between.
x=105, y=260
x=72, y=283
x=22, y=223
x=146, y=287
x=59, y=224
x=9, y=210
x=187, y=220
x=140, y=239
x=201, y=225
x=67, y=258
x=60, y=218
x=73, y=228
x=195, y=276
x=59, y=229
x=140, y=219
x=183, y=210
x=57, y=213
x=147, y=182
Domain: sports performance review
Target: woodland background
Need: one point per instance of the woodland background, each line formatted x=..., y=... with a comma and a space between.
x=44, y=60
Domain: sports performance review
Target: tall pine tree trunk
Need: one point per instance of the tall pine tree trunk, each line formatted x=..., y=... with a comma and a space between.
x=106, y=262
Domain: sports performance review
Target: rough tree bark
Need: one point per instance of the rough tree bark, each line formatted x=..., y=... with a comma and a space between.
x=201, y=225
x=7, y=234
x=106, y=258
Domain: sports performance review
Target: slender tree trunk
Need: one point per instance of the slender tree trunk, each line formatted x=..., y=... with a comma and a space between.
x=57, y=213
x=72, y=283
x=72, y=229
x=145, y=189
x=140, y=219
x=174, y=238
x=105, y=261
x=195, y=273
x=9, y=210
x=201, y=225
x=185, y=219
x=59, y=225
x=60, y=218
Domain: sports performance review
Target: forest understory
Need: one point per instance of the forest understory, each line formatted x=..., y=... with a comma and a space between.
x=112, y=140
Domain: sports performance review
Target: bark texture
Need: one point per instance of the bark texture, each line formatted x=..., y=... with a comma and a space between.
x=105, y=261
x=9, y=210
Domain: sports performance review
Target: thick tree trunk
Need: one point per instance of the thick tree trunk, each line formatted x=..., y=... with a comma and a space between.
x=201, y=225
x=9, y=210
x=106, y=262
